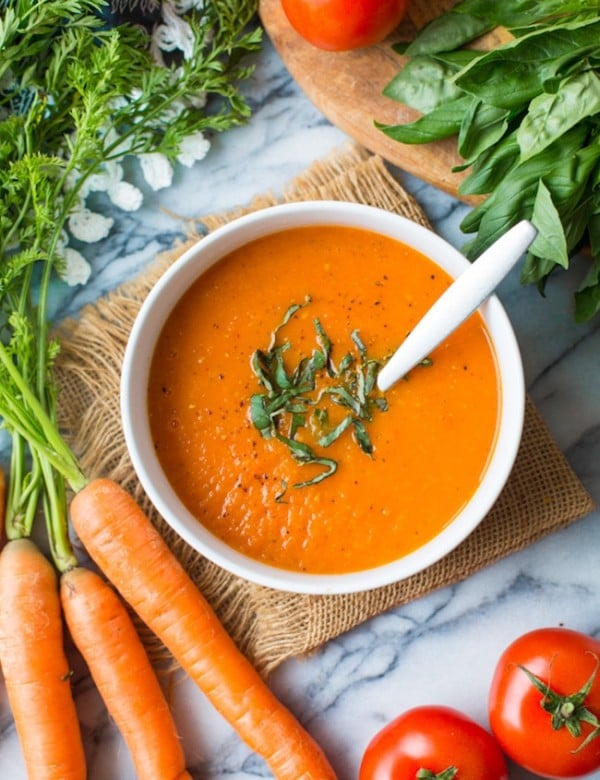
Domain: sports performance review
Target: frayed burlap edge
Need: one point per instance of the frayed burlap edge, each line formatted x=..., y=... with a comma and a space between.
x=542, y=494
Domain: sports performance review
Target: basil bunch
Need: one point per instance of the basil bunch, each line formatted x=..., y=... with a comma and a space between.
x=526, y=117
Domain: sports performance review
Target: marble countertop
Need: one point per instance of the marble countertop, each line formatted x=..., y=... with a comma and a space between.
x=441, y=648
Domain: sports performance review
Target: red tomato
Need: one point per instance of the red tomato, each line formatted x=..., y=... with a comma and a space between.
x=339, y=25
x=438, y=740
x=563, y=661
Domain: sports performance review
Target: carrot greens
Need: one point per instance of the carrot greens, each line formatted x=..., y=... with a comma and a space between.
x=81, y=91
x=526, y=121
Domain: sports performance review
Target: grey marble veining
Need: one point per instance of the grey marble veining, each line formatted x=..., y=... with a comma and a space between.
x=443, y=647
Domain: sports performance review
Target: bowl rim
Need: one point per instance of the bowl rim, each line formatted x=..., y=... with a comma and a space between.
x=201, y=256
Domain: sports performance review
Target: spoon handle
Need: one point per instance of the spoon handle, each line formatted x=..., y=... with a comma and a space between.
x=458, y=302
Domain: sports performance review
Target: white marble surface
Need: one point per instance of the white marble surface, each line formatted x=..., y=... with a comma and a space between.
x=439, y=649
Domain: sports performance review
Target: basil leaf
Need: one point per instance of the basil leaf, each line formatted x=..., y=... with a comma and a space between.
x=321, y=416
x=565, y=168
x=372, y=369
x=307, y=369
x=330, y=469
x=448, y=31
x=577, y=222
x=346, y=363
x=325, y=344
x=298, y=421
x=260, y=366
x=259, y=415
x=423, y=84
x=443, y=122
x=381, y=404
x=551, y=115
x=281, y=378
x=305, y=455
x=491, y=167
x=362, y=437
x=360, y=345
x=587, y=297
x=300, y=451
x=513, y=74
x=329, y=438
x=573, y=172
x=594, y=221
x=341, y=396
x=286, y=318
x=514, y=13
x=482, y=127
x=550, y=241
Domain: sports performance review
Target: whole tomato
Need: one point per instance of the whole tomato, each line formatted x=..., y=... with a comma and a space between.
x=544, y=702
x=340, y=25
x=433, y=742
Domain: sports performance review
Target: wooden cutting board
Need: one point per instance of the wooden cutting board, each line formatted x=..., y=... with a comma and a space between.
x=347, y=88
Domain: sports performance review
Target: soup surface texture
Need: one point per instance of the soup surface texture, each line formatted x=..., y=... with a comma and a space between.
x=430, y=447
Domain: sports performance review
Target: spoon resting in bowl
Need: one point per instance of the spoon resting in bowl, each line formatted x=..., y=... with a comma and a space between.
x=458, y=302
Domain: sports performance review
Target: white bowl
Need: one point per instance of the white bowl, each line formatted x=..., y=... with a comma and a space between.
x=177, y=280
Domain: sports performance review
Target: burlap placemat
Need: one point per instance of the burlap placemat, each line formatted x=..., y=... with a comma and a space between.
x=542, y=494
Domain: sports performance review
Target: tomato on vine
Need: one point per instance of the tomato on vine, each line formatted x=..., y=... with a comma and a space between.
x=544, y=703
x=341, y=25
x=433, y=743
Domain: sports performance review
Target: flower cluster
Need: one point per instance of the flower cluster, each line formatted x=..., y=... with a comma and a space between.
x=171, y=32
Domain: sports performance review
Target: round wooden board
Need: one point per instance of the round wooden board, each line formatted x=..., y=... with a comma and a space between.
x=347, y=88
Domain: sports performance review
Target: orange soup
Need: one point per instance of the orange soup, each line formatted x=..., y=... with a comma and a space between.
x=380, y=485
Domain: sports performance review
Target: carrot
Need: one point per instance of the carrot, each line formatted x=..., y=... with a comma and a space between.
x=2, y=496
x=36, y=670
x=106, y=637
x=2, y=508
x=135, y=558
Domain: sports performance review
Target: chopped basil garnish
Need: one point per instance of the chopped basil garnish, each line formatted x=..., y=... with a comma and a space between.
x=296, y=399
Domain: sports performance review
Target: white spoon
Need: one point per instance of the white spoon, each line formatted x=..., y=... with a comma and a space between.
x=460, y=300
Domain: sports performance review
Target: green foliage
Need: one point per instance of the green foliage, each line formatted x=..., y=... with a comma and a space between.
x=76, y=94
x=526, y=117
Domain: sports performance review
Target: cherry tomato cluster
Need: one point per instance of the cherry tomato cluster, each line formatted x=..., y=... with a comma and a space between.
x=341, y=25
x=544, y=713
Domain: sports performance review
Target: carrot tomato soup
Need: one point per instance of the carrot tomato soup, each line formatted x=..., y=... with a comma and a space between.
x=333, y=478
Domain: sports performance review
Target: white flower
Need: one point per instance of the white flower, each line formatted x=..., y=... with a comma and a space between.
x=193, y=147
x=157, y=170
x=97, y=182
x=74, y=269
x=125, y=195
x=198, y=101
x=120, y=101
x=89, y=226
x=109, y=180
x=183, y=6
x=174, y=34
